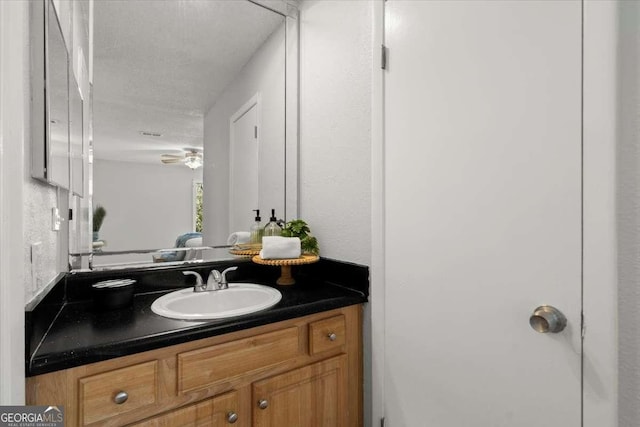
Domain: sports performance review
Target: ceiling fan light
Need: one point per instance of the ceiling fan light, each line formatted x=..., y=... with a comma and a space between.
x=193, y=162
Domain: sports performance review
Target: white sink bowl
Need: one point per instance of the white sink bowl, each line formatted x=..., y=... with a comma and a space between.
x=239, y=299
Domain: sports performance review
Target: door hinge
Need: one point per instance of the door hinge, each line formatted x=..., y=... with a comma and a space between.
x=70, y=214
x=383, y=56
x=255, y=132
x=583, y=326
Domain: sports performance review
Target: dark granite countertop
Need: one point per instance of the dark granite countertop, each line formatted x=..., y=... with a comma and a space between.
x=71, y=332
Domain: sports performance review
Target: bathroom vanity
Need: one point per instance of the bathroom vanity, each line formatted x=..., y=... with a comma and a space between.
x=297, y=363
x=294, y=364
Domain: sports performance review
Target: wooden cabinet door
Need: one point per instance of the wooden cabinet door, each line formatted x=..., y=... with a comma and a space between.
x=215, y=412
x=311, y=396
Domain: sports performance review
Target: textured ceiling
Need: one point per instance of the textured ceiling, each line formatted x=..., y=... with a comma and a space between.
x=159, y=65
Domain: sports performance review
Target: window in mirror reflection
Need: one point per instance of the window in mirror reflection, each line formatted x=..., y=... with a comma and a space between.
x=198, y=192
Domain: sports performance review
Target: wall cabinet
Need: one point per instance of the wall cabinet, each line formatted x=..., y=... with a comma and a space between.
x=299, y=372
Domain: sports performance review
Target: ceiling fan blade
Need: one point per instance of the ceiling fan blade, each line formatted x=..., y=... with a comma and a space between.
x=171, y=156
x=193, y=150
x=169, y=161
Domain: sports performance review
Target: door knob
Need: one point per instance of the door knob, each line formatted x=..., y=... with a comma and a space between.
x=263, y=404
x=547, y=319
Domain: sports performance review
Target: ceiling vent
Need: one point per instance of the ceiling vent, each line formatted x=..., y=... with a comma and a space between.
x=151, y=134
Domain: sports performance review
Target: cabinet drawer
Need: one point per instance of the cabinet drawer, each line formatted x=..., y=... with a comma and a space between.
x=206, y=366
x=327, y=334
x=217, y=412
x=97, y=394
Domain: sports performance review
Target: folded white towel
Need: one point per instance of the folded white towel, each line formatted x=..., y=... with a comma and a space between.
x=239, y=238
x=196, y=242
x=278, y=247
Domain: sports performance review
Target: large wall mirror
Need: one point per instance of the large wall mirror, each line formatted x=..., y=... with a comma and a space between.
x=194, y=123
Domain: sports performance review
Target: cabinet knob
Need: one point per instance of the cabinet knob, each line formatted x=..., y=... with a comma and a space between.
x=120, y=397
x=263, y=404
x=332, y=336
x=232, y=417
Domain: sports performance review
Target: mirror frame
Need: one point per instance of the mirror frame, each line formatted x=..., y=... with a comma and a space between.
x=76, y=138
x=290, y=12
x=42, y=13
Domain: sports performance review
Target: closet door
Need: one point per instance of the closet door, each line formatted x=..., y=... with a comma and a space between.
x=483, y=213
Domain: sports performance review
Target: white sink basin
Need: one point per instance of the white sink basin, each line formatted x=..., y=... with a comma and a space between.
x=240, y=298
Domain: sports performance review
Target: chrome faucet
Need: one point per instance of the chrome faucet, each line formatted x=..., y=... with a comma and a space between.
x=199, y=286
x=215, y=282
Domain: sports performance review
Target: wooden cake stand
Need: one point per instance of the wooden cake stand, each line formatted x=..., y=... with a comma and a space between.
x=285, y=274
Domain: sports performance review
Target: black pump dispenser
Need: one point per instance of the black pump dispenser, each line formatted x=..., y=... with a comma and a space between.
x=256, y=231
x=272, y=228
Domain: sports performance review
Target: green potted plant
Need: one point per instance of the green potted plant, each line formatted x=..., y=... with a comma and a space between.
x=98, y=217
x=299, y=228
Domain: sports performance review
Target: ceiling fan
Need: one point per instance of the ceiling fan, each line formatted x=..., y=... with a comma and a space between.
x=192, y=158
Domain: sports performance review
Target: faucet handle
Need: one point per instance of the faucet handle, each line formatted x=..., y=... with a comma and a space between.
x=214, y=279
x=200, y=286
x=223, y=281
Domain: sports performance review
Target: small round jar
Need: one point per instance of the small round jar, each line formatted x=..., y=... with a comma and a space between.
x=113, y=294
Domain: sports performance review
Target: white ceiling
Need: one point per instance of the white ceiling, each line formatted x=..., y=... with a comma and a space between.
x=159, y=65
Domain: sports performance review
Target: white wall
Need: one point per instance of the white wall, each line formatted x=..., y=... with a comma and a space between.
x=14, y=124
x=335, y=126
x=263, y=74
x=599, y=305
x=628, y=215
x=39, y=199
x=336, y=63
x=148, y=206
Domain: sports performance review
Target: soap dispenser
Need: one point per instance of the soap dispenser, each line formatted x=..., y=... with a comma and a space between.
x=256, y=230
x=273, y=228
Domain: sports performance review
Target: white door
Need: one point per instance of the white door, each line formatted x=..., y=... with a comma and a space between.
x=243, y=191
x=482, y=212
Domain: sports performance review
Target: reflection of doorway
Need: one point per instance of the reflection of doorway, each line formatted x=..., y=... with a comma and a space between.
x=243, y=165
